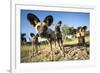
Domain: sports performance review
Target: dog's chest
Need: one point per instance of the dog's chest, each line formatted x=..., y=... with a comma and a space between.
x=50, y=34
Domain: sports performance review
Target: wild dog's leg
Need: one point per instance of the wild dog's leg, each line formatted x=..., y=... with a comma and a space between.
x=29, y=55
x=62, y=47
x=36, y=47
x=79, y=41
x=39, y=45
x=58, y=41
x=30, y=52
x=50, y=42
x=61, y=42
x=55, y=42
x=33, y=50
x=83, y=40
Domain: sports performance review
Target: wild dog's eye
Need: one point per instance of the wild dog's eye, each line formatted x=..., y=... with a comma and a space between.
x=45, y=26
x=38, y=27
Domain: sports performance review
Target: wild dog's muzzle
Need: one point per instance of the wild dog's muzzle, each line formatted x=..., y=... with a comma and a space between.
x=45, y=33
x=42, y=32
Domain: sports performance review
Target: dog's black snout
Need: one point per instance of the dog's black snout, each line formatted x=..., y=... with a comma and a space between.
x=45, y=28
x=43, y=31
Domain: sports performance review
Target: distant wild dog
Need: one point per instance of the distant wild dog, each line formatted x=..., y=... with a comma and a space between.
x=23, y=39
x=35, y=43
x=42, y=28
x=59, y=36
x=80, y=34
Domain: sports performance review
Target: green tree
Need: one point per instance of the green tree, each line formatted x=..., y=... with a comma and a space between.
x=65, y=31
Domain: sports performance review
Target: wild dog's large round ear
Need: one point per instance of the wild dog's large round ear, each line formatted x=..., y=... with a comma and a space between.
x=49, y=20
x=33, y=19
x=23, y=34
x=85, y=27
x=78, y=28
x=32, y=34
x=60, y=22
x=37, y=35
x=74, y=31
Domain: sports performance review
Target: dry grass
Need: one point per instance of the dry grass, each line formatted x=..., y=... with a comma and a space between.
x=44, y=54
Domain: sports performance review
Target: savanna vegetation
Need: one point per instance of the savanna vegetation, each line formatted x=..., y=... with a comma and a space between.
x=71, y=48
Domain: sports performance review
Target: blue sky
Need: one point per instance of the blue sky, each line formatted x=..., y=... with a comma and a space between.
x=73, y=19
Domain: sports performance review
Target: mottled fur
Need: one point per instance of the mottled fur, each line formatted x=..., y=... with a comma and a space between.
x=43, y=29
x=80, y=34
x=35, y=43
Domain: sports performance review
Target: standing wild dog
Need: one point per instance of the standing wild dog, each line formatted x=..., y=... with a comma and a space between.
x=23, y=39
x=59, y=36
x=42, y=28
x=80, y=34
x=35, y=43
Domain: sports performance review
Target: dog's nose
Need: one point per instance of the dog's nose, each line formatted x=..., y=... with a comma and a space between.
x=41, y=33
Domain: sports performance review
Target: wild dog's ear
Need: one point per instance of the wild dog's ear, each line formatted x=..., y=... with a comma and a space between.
x=23, y=34
x=37, y=35
x=32, y=34
x=60, y=22
x=78, y=28
x=85, y=27
x=74, y=31
x=33, y=19
x=49, y=20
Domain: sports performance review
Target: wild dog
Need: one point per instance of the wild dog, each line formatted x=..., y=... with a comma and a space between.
x=59, y=36
x=42, y=28
x=23, y=39
x=80, y=34
x=35, y=43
